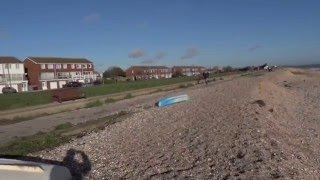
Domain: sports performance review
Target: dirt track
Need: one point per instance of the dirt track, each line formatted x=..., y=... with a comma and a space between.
x=221, y=133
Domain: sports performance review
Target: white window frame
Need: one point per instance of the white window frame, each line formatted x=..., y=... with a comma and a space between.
x=58, y=66
x=84, y=66
x=65, y=66
x=50, y=66
x=89, y=65
x=43, y=66
x=72, y=66
x=78, y=66
x=17, y=66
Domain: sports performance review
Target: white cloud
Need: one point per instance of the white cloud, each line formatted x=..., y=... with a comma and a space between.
x=92, y=18
x=136, y=53
x=190, y=53
x=255, y=47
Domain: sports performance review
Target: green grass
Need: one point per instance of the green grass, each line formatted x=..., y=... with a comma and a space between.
x=133, y=85
x=93, y=104
x=37, y=142
x=62, y=133
x=19, y=100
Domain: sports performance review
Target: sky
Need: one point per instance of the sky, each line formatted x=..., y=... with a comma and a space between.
x=163, y=32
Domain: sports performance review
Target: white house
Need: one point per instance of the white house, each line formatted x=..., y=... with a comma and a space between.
x=12, y=74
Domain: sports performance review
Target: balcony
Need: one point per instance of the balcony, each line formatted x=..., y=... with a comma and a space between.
x=7, y=79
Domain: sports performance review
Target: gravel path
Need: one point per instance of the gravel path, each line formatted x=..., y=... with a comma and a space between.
x=221, y=133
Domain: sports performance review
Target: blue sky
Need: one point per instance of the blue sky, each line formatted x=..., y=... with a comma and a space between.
x=163, y=32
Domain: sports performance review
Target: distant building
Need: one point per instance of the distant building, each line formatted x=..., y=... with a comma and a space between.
x=12, y=74
x=53, y=72
x=188, y=70
x=148, y=72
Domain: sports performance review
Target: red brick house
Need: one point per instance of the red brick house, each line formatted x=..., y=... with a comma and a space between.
x=53, y=72
x=148, y=72
x=188, y=70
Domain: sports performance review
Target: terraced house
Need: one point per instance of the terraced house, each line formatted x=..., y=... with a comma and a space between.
x=12, y=74
x=53, y=72
x=188, y=70
x=148, y=72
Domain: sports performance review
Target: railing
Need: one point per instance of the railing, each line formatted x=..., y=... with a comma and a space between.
x=74, y=78
x=6, y=79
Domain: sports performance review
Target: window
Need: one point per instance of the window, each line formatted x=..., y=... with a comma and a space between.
x=7, y=66
x=46, y=75
x=84, y=66
x=72, y=66
x=50, y=66
x=78, y=66
x=58, y=66
x=64, y=66
x=43, y=66
x=17, y=66
x=89, y=65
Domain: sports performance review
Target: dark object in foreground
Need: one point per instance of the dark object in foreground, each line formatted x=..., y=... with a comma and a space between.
x=67, y=94
x=8, y=90
x=261, y=103
x=73, y=84
x=53, y=170
x=17, y=169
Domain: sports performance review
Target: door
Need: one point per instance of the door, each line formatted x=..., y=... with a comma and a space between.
x=44, y=85
x=61, y=83
x=53, y=85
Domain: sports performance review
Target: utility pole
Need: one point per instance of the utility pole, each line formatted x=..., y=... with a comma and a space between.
x=9, y=75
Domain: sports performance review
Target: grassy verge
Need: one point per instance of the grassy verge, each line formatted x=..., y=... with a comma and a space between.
x=128, y=86
x=12, y=101
x=62, y=133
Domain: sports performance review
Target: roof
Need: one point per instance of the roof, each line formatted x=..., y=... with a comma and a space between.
x=187, y=67
x=9, y=59
x=58, y=60
x=149, y=67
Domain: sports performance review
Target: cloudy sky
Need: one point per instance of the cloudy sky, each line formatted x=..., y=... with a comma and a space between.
x=163, y=32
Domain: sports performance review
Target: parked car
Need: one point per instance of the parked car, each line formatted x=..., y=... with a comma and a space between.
x=8, y=90
x=72, y=84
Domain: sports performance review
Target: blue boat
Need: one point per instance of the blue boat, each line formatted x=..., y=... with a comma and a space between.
x=172, y=100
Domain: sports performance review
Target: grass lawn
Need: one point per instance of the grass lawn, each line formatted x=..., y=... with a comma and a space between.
x=128, y=86
x=19, y=100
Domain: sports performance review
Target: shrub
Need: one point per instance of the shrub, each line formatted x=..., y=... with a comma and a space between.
x=93, y=104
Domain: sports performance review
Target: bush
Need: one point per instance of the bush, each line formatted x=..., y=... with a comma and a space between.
x=109, y=100
x=128, y=96
x=93, y=104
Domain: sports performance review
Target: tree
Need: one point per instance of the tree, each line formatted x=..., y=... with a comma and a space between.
x=178, y=73
x=227, y=69
x=114, y=72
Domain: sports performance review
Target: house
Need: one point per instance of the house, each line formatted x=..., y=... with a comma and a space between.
x=53, y=72
x=148, y=72
x=12, y=74
x=188, y=70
